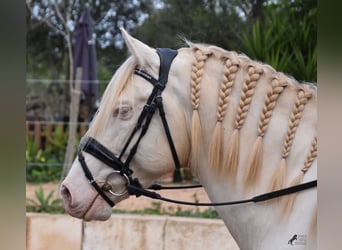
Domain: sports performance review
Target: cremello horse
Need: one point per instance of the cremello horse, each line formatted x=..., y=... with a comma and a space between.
x=243, y=127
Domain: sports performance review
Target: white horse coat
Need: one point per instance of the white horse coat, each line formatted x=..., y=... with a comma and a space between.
x=244, y=128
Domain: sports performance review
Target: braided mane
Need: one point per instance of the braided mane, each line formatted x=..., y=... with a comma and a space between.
x=224, y=156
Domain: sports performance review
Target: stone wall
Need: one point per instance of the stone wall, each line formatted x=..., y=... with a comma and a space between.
x=126, y=232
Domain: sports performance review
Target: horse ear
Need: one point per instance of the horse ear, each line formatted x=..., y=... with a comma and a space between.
x=144, y=54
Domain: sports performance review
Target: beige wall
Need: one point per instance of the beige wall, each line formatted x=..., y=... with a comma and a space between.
x=126, y=232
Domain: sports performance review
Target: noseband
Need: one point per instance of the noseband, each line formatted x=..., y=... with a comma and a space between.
x=154, y=101
x=121, y=168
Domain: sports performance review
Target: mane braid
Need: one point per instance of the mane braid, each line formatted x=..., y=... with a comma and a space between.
x=279, y=176
x=231, y=160
x=215, y=150
x=196, y=77
x=255, y=159
x=290, y=199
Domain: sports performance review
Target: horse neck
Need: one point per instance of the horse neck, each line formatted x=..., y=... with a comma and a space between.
x=238, y=105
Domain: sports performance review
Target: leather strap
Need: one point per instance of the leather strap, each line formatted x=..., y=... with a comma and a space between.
x=138, y=191
x=166, y=57
x=92, y=181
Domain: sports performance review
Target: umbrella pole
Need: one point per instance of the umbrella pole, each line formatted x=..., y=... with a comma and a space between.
x=73, y=119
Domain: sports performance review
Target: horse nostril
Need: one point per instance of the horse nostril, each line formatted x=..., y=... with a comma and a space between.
x=66, y=194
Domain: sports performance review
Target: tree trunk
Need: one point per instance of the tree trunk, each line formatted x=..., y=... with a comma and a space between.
x=73, y=118
x=257, y=12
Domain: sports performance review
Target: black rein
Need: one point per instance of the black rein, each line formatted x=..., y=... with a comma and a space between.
x=255, y=199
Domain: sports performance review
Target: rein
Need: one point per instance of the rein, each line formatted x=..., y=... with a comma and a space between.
x=263, y=197
x=121, y=168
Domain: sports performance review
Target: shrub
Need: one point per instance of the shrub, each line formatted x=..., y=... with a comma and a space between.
x=45, y=164
x=44, y=204
x=42, y=165
x=287, y=40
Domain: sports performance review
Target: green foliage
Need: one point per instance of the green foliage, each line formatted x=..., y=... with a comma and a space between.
x=45, y=164
x=209, y=213
x=285, y=39
x=57, y=142
x=46, y=47
x=44, y=204
x=104, y=74
x=212, y=22
x=41, y=166
x=43, y=173
x=281, y=33
x=263, y=44
x=156, y=209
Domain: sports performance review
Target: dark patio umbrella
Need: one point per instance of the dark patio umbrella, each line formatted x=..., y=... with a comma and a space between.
x=85, y=57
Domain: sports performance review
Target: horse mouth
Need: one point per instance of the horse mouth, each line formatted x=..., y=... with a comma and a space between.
x=95, y=208
x=74, y=208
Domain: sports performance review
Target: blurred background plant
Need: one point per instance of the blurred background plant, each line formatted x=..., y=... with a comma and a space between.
x=44, y=204
x=44, y=164
x=155, y=208
x=286, y=38
x=282, y=33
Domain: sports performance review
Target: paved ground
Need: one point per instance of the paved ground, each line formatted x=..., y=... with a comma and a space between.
x=140, y=203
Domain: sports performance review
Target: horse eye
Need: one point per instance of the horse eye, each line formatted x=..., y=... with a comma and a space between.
x=123, y=112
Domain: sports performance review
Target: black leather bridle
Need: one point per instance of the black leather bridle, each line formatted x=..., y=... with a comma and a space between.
x=154, y=101
x=121, y=168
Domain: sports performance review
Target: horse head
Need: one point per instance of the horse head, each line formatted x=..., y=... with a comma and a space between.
x=127, y=96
